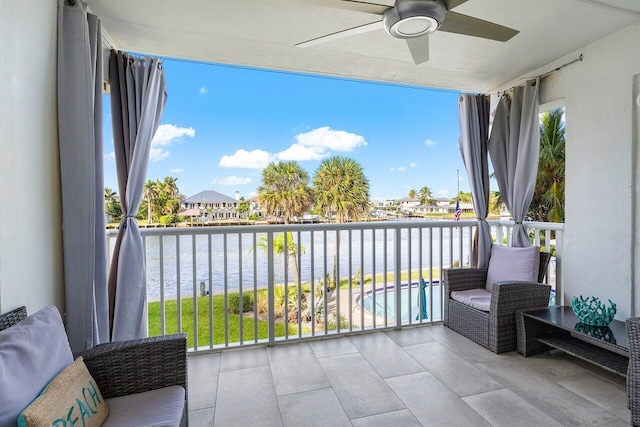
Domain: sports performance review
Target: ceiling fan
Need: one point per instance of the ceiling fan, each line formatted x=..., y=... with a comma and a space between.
x=413, y=21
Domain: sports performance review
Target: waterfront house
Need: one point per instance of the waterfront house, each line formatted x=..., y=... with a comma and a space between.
x=212, y=205
x=408, y=204
x=254, y=207
x=598, y=255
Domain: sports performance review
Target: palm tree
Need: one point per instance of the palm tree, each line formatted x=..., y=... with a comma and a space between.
x=285, y=191
x=243, y=207
x=412, y=193
x=150, y=193
x=341, y=186
x=112, y=204
x=465, y=197
x=278, y=249
x=425, y=195
x=170, y=187
x=548, y=197
x=495, y=202
x=171, y=195
x=109, y=195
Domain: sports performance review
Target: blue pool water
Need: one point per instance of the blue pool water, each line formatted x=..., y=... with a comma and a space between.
x=409, y=302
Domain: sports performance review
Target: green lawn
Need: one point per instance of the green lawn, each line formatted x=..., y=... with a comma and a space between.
x=171, y=324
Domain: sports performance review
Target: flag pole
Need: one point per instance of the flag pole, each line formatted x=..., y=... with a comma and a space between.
x=457, y=212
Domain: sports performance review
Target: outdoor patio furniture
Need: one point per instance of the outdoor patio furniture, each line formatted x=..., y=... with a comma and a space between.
x=121, y=369
x=494, y=329
x=633, y=372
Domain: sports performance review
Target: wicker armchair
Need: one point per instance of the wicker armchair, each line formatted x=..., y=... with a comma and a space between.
x=496, y=329
x=128, y=367
x=633, y=372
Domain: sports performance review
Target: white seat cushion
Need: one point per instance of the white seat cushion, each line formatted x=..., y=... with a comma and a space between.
x=476, y=298
x=156, y=408
x=513, y=264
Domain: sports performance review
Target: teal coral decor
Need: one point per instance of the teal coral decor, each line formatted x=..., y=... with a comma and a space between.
x=592, y=312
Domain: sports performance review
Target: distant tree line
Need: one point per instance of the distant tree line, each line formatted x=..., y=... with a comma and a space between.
x=161, y=202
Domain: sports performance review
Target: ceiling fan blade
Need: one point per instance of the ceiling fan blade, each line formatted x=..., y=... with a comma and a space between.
x=341, y=34
x=454, y=3
x=357, y=6
x=419, y=48
x=470, y=26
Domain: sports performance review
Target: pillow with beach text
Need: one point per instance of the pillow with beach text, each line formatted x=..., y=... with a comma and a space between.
x=71, y=398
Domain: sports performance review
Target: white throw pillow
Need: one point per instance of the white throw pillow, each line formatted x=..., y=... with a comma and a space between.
x=513, y=264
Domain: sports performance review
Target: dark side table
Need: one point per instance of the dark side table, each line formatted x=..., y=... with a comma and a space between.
x=558, y=328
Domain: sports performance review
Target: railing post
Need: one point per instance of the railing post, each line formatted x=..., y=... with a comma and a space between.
x=270, y=291
x=559, y=243
x=397, y=276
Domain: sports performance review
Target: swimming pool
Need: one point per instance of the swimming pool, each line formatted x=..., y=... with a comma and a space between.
x=410, y=307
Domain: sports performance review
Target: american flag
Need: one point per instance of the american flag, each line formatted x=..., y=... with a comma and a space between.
x=456, y=215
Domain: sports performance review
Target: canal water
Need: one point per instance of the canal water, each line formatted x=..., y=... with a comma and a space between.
x=244, y=262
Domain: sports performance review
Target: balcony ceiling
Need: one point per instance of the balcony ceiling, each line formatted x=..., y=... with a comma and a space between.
x=263, y=34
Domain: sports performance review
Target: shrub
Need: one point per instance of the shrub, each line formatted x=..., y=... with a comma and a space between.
x=234, y=303
x=262, y=303
x=167, y=219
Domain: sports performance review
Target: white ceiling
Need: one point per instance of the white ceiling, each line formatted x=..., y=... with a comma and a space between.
x=263, y=33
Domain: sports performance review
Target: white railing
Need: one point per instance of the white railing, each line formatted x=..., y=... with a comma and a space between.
x=389, y=272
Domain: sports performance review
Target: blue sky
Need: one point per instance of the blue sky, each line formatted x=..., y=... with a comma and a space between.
x=222, y=124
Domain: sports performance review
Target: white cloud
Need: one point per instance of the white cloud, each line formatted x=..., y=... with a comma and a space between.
x=232, y=180
x=110, y=156
x=398, y=169
x=329, y=139
x=157, y=154
x=166, y=135
x=202, y=90
x=312, y=145
x=392, y=169
x=300, y=152
x=402, y=169
x=413, y=164
x=430, y=143
x=176, y=170
x=256, y=159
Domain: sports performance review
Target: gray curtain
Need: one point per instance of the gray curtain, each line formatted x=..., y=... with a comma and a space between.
x=81, y=153
x=473, y=111
x=138, y=96
x=514, y=147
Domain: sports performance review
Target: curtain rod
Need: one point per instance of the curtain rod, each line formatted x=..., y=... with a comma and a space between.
x=541, y=76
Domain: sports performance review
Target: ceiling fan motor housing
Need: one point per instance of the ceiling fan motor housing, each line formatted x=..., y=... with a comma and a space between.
x=414, y=18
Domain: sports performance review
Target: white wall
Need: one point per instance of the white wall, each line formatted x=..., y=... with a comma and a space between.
x=601, y=208
x=30, y=214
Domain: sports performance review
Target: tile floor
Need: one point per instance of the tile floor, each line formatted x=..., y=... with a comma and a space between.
x=427, y=376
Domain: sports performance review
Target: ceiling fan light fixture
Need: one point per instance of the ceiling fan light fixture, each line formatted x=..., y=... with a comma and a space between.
x=414, y=18
x=413, y=26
